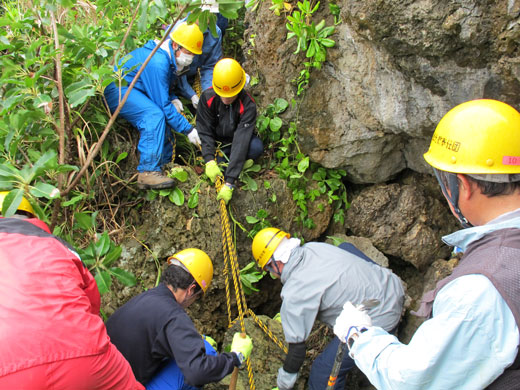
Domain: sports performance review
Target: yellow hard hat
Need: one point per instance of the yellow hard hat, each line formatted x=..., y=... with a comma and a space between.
x=265, y=243
x=228, y=77
x=477, y=137
x=23, y=206
x=198, y=264
x=188, y=36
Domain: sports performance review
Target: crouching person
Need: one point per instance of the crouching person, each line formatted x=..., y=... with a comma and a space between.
x=318, y=278
x=51, y=334
x=156, y=335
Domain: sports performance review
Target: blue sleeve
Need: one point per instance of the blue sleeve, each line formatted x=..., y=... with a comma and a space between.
x=211, y=54
x=467, y=343
x=184, y=88
x=156, y=81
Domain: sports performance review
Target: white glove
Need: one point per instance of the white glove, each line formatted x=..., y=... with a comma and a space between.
x=195, y=101
x=194, y=138
x=350, y=321
x=178, y=105
x=286, y=380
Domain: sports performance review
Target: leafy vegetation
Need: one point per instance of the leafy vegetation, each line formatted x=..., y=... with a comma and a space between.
x=57, y=58
x=312, y=38
x=56, y=144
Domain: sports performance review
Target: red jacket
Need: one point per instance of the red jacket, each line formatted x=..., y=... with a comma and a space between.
x=49, y=301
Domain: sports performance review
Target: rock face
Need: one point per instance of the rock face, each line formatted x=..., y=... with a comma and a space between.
x=396, y=69
x=401, y=221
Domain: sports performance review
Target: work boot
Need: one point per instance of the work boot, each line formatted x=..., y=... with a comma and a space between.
x=154, y=180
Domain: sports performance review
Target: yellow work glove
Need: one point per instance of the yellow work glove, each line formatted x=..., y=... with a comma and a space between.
x=278, y=318
x=242, y=345
x=226, y=192
x=211, y=342
x=212, y=170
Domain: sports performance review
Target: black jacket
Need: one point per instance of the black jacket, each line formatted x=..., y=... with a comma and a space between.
x=152, y=328
x=229, y=124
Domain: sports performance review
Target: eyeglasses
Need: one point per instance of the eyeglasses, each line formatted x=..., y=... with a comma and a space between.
x=269, y=267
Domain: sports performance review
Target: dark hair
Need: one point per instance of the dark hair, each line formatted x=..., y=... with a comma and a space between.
x=491, y=189
x=177, y=277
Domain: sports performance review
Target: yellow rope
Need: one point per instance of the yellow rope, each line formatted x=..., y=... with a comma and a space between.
x=196, y=84
x=230, y=257
x=231, y=260
x=267, y=330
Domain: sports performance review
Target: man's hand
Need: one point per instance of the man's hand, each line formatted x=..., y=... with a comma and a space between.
x=178, y=105
x=226, y=192
x=242, y=346
x=193, y=137
x=286, y=380
x=350, y=321
x=212, y=170
x=195, y=101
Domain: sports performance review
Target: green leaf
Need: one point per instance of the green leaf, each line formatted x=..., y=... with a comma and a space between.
x=102, y=245
x=84, y=220
x=303, y=165
x=7, y=172
x=103, y=281
x=193, y=200
x=179, y=174
x=44, y=190
x=73, y=200
x=121, y=156
x=46, y=161
x=176, y=197
x=11, y=202
x=112, y=256
x=252, y=220
x=280, y=105
x=275, y=124
x=327, y=42
x=125, y=277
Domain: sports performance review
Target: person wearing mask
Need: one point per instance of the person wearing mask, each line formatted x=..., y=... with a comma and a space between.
x=202, y=64
x=471, y=336
x=156, y=335
x=226, y=117
x=51, y=333
x=149, y=107
x=318, y=278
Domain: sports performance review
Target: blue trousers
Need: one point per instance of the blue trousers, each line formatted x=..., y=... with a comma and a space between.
x=156, y=139
x=322, y=365
x=171, y=377
x=256, y=148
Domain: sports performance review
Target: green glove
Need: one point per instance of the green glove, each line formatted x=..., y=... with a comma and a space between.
x=244, y=345
x=226, y=192
x=212, y=170
x=278, y=318
x=275, y=388
x=211, y=342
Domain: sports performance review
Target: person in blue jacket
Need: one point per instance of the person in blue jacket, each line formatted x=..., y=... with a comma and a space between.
x=471, y=336
x=149, y=107
x=204, y=62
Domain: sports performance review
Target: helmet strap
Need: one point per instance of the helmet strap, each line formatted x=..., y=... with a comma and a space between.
x=453, y=199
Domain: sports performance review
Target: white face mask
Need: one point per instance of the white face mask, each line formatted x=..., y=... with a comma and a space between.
x=183, y=59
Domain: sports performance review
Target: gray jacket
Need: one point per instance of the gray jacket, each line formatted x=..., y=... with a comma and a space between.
x=319, y=278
